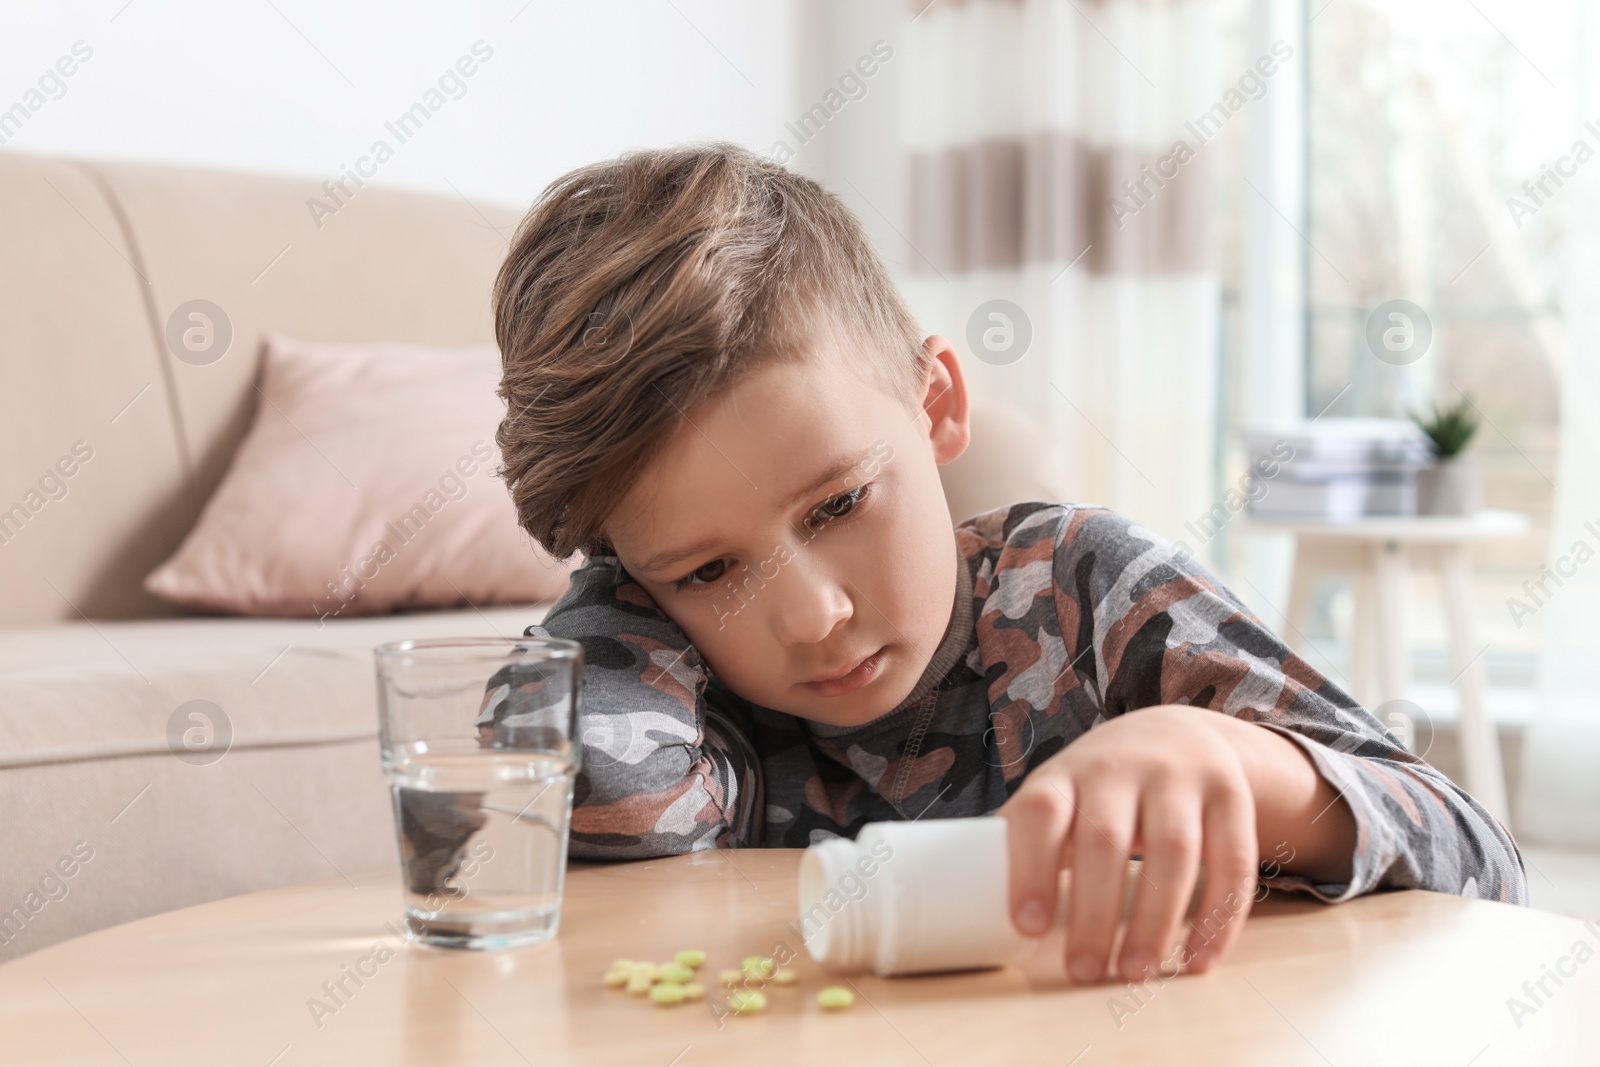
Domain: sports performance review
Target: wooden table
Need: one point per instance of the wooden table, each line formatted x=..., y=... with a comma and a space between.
x=1377, y=551
x=1392, y=978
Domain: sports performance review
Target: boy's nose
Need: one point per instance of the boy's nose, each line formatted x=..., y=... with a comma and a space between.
x=808, y=603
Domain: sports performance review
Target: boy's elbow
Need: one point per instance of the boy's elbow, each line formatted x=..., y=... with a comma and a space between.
x=1514, y=879
x=630, y=823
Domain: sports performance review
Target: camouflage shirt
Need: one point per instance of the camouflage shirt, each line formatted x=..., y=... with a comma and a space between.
x=1065, y=615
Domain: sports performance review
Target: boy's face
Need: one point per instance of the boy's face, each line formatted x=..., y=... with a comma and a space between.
x=792, y=577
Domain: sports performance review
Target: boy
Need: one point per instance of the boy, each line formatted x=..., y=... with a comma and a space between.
x=716, y=393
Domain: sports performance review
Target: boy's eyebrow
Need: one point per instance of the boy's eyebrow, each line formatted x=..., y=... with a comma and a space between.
x=839, y=465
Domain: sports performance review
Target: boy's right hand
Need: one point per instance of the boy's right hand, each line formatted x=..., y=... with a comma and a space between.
x=1168, y=783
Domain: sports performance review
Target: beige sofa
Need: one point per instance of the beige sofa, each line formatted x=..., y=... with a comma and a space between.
x=92, y=669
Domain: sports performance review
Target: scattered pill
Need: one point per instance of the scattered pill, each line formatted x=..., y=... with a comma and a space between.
x=759, y=967
x=745, y=1001
x=675, y=981
x=666, y=993
x=835, y=996
x=673, y=972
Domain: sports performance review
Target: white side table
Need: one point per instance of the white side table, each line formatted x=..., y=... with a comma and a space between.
x=1377, y=552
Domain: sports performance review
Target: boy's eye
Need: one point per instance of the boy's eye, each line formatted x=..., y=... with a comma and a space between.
x=843, y=504
x=699, y=572
x=834, y=508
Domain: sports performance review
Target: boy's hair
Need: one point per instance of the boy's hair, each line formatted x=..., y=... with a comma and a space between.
x=640, y=286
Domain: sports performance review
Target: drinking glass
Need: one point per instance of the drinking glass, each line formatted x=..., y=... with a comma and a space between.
x=478, y=744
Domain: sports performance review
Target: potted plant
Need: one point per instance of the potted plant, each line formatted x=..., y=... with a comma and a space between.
x=1452, y=485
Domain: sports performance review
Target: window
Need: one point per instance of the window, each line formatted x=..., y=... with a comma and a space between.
x=1424, y=120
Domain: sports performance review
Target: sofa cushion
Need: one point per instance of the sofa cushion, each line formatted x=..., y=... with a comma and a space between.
x=367, y=483
x=83, y=691
x=91, y=474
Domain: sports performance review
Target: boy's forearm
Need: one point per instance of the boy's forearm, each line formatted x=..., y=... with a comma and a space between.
x=1302, y=823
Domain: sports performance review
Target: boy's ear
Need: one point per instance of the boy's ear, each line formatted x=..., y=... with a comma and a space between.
x=944, y=401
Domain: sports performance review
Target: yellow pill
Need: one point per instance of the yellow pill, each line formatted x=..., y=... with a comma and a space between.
x=760, y=967
x=639, y=984
x=616, y=979
x=667, y=993
x=786, y=976
x=745, y=1001
x=648, y=970
x=621, y=964
x=836, y=996
x=694, y=990
x=731, y=977
x=690, y=957
x=673, y=972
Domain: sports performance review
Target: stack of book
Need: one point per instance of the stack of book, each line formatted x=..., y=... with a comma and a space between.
x=1337, y=469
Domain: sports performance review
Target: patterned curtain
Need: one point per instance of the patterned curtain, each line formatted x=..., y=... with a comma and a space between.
x=1060, y=230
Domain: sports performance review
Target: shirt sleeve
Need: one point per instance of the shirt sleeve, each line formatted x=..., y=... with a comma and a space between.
x=1166, y=631
x=665, y=764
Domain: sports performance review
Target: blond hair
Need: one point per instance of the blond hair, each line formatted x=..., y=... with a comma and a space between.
x=638, y=287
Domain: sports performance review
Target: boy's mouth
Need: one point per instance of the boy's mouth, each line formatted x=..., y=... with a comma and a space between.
x=852, y=677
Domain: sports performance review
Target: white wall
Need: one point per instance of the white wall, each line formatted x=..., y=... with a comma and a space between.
x=304, y=87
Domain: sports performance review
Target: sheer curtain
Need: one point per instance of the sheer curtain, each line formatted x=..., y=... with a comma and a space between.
x=1057, y=161
x=1559, y=800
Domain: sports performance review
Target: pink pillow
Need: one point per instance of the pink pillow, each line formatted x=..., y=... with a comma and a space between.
x=366, y=483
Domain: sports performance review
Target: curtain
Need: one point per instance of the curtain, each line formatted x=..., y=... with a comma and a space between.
x=1559, y=801
x=1058, y=161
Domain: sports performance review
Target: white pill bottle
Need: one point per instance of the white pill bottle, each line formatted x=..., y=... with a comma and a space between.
x=910, y=898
